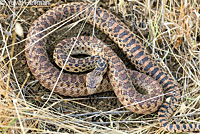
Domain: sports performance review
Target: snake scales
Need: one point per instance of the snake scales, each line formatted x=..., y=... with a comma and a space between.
x=74, y=85
x=116, y=72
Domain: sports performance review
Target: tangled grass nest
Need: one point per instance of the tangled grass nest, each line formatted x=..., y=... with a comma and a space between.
x=170, y=31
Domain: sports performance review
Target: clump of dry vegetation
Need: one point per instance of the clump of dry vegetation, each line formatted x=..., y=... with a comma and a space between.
x=170, y=31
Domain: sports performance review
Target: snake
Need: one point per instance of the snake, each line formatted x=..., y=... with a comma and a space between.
x=69, y=84
x=102, y=56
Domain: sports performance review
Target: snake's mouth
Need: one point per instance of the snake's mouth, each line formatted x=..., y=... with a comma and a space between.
x=91, y=85
x=91, y=89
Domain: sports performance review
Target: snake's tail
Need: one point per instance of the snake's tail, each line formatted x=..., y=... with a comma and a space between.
x=172, y=97
x=165, y=112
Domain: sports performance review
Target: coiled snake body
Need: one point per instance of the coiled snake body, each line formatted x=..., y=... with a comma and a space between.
x=74, y=85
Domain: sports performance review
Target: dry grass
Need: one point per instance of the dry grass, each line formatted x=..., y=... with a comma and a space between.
x=170, y=31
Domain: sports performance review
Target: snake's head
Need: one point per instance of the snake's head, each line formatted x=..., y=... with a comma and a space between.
x=93, y=81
